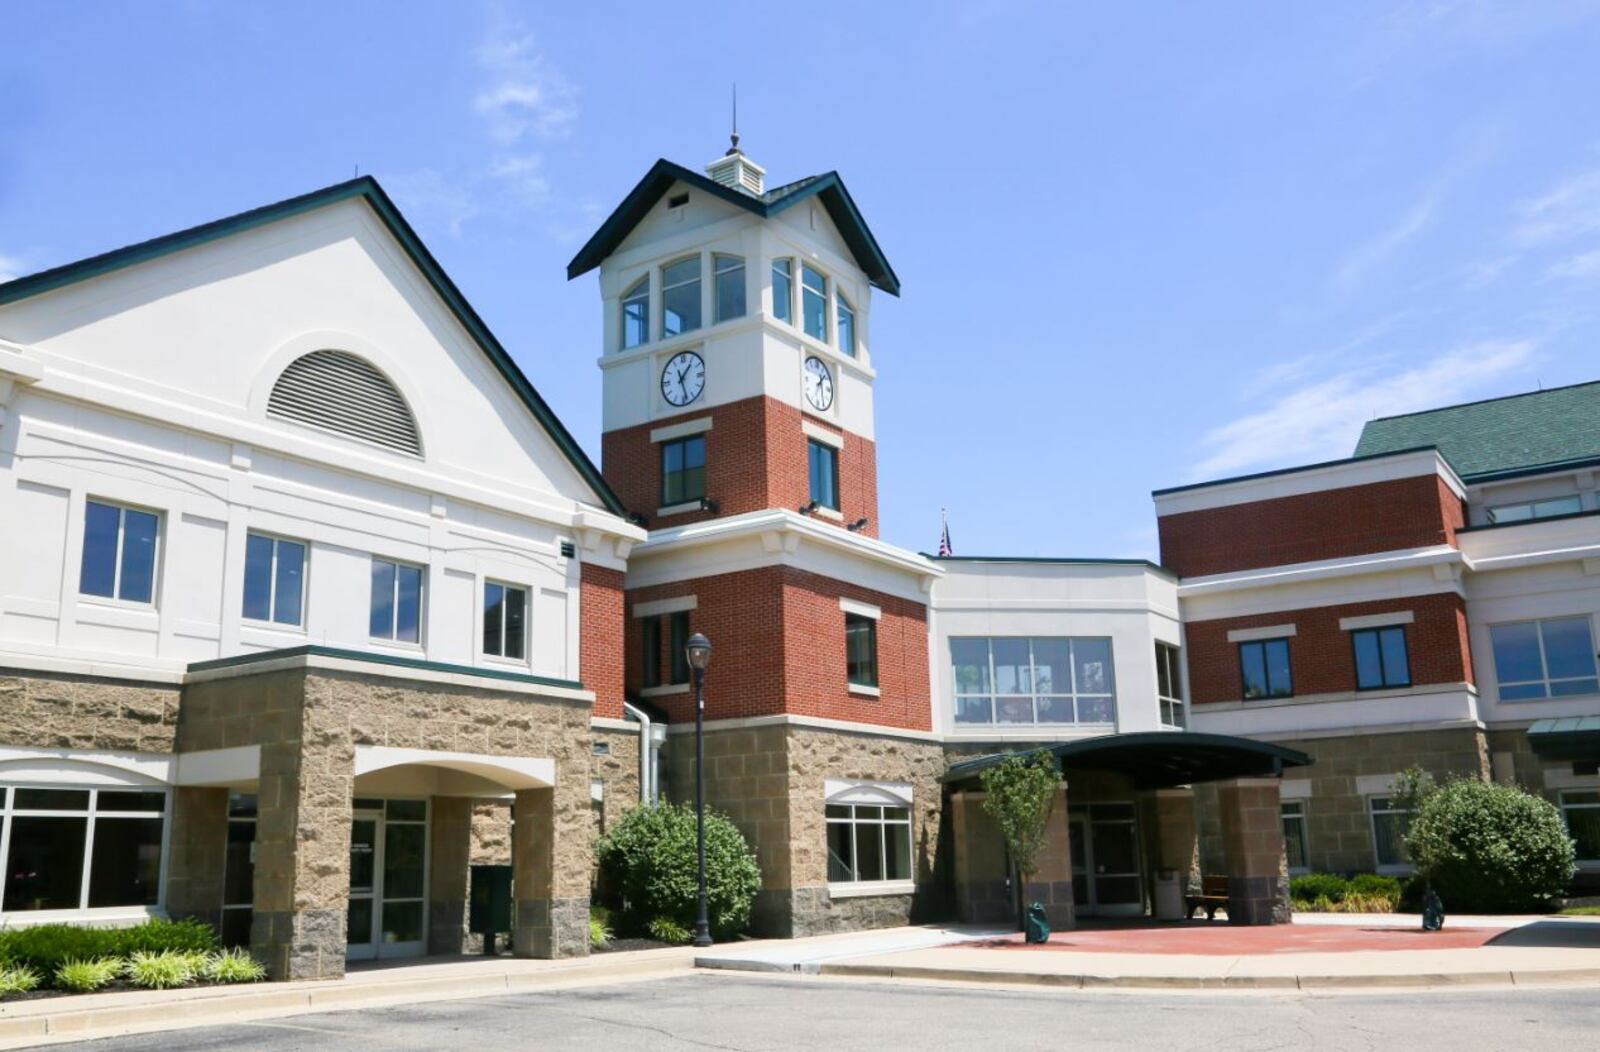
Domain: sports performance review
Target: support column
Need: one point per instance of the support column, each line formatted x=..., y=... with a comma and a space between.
x=982, y=894
x=198, y=854
x=1176, y=836
x=1052, y=883
x=1252, y=842
x=550, y=874
x=449, y=856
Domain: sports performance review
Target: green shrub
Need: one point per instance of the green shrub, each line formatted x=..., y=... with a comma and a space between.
x=233, y=966
x=17, y=979
x=1332, y=893
x=1487, y=847
x=163, y=970
x=1314, y=886
x=669, y=931
x=600, y=936
x=1375, y=885
x=46, y=947
x=650, y=858
x=83, y=976
x=156, y=935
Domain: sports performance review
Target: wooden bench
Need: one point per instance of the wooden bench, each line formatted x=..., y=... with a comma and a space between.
x=1213, y=896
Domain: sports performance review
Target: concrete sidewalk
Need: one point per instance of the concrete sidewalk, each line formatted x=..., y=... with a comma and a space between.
x=805, y=956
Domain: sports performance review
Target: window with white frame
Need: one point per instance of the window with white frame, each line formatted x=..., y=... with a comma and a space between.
x=680, y=296
x=1580, y=808
x=1294, y=836
x=396, y=612
x=728, y=286
x=76, y=848
x=274, y=579
x=1169, y=684
x=505, y=617
x=1553, y=658
x=1390, y=821
x=119, y=552
x=1021, y=679
x=813, y=302
x=1536, y=509
x=846, y=324
x=783, y=290
x=869, y=835
x=636, y=314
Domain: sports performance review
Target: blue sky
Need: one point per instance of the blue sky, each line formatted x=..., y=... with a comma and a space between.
x=1141, y=245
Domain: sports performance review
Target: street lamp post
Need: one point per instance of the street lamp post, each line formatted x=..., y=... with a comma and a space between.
x=699, y=654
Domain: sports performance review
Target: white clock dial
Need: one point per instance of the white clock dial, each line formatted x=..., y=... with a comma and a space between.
x=819, y=383
x=683, y=378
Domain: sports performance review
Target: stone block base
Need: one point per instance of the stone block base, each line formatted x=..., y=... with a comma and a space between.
x=799, y=912
x=309, y=944
x=1254, y=900
x=1056, y=895
x=551, y=928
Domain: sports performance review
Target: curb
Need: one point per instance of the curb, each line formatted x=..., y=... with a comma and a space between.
x=272, y=1000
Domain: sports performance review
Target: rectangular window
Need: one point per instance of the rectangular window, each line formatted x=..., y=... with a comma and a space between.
x=505, y=612
x=680, y=297
x=396, y=601
x=1169, y=684
x=76, y=849
x=239, y=871
x=679, y=641
x=274, y=579
x=1381, y=659
x=729, y=274
x=636, y=314
x=813, y=302
x=1294, y=836
x=783, y=290
x=683, y=470
x=1536, y=509
x=119, y=552
x=1581, y=810
x=846, y=325
x=1389, y=825
x=861, y=650
x=868, y=843
x=823, y=468
x=650, y=650
x=1553, y=658
x=1048, y=680
x=1264, y=665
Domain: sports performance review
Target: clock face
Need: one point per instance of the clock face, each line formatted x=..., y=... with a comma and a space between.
x=683, y=378
x=819, y=383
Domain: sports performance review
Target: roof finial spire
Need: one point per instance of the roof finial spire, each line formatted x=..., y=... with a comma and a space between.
x=735, y=136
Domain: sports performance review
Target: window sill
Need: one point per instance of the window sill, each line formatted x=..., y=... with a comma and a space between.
x=416, y=649
x=865, y=691
x=99, y=917
x=678, y=509
x=664, y=690
x=1538, y=701
x=496, y=661
x=828, y=513
x=272, y=626
x=867, y=889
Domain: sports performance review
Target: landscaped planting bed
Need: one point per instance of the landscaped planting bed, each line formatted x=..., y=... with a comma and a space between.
x=55, y=959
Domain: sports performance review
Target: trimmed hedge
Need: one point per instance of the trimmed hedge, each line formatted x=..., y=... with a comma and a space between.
x=1489, y=848
x=44, y=948
x=650, y=859
x=1332, y=893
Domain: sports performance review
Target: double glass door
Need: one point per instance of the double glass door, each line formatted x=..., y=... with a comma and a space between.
x=388, y=910
x=1106, y=879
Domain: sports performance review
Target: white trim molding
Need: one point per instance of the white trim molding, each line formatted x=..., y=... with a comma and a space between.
x=860, y=791
x=1294, y=789
x=676, y=604
x=869, y=888
x=1398, y=617
x=665, y=690
x=697, y=426
x=822, y=434
x=851, y=606
x=1376, y=784
x=512, y=772
x=1247, y=635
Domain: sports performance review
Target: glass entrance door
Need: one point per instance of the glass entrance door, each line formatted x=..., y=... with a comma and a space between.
x=1106, y=879
x=387, y=915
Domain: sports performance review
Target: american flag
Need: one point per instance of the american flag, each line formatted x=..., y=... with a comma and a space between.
x=944, y=534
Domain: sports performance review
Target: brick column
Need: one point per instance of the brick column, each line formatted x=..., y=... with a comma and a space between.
x=1252, y=842
x=198, y=854
x=980, y=869
x=550, y=874
x=449, y=855
x=1052, y=884
x=1175, y=831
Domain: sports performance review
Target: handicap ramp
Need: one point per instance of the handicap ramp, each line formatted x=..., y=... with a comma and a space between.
x=806, y=956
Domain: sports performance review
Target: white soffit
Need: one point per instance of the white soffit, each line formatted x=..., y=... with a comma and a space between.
x=677, y=604
x=512, y=772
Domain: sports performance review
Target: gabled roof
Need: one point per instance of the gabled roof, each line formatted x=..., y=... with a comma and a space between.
x=828, y=188
x=367, y=189
x=1512, y=433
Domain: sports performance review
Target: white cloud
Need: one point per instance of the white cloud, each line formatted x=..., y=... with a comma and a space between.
x=1569, y=209
x=1583, y=265
x=524, y=94
x=11, y=268
x=523, y=176
x=1322, y=420
x=432, y=196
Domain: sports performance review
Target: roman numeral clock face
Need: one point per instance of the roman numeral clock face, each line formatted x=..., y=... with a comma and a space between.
x=819, y=384
x=683, y=378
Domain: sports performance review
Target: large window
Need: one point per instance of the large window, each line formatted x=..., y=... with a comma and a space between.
x=846, y=325
x=868, y=843
x=683, y=470
x=396, y=601
x=783, y=290
x=74, y=849
x=1294, y=836
x=861, y=650
x=119, y=552
x=1381, y=659
x=823, y=468
x=1016, y=679
x=1553, y=658
x=1169, y=684
x=813, y=302
x=636, y=314
x=274, y=579
x=1389, y=824
x=680, y=297
x=729, y=273
x=1264, y=667
x=1536, y=509
x=505, y=615
x=650, y=651
x=1581, y=809
x=677, y=652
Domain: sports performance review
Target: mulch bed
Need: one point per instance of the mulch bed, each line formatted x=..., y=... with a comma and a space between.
x=619, y=945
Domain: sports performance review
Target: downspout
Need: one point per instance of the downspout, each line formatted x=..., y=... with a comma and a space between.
x=646, y=757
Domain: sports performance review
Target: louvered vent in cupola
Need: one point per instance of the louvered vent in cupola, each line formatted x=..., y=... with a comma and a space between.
x=339, y=392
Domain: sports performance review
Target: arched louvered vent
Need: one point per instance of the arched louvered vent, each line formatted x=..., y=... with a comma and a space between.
x=339, y=392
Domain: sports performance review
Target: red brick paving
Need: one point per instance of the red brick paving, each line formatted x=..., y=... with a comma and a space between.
x=1223, y=940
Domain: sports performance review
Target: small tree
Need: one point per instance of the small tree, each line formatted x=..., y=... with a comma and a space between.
x=650, y=858
x=1018, y=794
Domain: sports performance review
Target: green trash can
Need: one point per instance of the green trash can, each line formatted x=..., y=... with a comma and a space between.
x=489, y=904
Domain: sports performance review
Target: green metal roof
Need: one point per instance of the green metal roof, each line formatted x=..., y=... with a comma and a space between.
x=1514, y=433
x=827, y=188
x=367, y=189
x=1156, y=759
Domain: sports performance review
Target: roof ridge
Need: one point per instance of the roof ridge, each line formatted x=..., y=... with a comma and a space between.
x=1485, y=401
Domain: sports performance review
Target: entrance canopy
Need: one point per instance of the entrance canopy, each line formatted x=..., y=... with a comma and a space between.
x=1566, y=739
x=1159, y=759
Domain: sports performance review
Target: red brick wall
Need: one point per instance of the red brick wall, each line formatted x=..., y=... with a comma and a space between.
x=600, y=639
x=1320, y=656
x=1352, y=520
x=755, y=459
x=778, y=635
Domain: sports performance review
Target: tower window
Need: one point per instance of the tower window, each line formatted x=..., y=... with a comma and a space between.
x=683, y=470
x=813, y=302
x=636, y=314
x=783, y=290
x=824, y=471
x=680, y=297
x=729, y=286
x=846, y=326
x=861, y=650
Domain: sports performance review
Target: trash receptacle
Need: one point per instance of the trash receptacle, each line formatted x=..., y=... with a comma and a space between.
x=1167, y=895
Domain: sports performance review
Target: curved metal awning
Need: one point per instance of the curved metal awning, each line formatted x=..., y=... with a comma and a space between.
x=1157, y=759
x=1566, y=739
